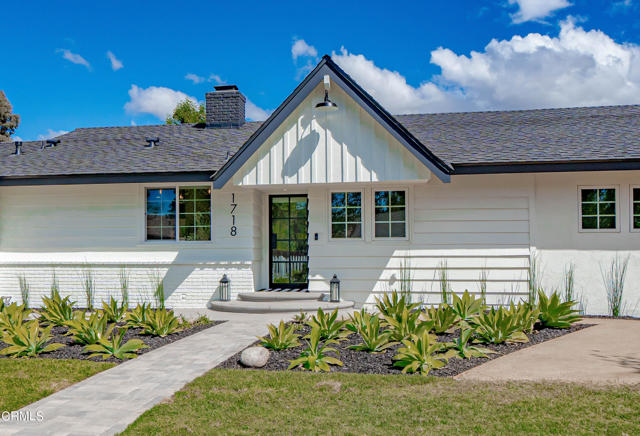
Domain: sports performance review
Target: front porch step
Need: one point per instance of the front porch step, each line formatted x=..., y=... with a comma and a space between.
x=295, y=306
x=281, y=296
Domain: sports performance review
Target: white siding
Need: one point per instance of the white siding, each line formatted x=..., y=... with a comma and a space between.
x=102, y=226
x=343, y=146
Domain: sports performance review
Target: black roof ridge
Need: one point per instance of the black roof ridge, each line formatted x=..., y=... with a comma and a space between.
x=522, y=110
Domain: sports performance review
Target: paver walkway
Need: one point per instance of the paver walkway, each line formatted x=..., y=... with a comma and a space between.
x=607, y=353
x=111, y=400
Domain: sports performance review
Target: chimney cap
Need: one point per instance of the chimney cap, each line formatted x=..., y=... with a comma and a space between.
x=225, y=88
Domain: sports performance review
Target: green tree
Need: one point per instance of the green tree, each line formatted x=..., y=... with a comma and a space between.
x=187, y=112
x=8, y=120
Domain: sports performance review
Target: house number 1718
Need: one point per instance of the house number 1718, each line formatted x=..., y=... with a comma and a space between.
x=234, y=229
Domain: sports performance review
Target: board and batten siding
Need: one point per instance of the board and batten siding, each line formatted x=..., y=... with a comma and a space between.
x=337, y=147
x=472, y=225
x=73, y=227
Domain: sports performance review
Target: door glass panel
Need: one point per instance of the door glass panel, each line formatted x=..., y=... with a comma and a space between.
x=289, y=241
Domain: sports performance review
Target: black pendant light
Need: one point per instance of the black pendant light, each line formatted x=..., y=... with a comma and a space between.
x=327, y=105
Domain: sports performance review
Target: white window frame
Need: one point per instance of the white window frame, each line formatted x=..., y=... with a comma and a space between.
x=362, y=214
x=407, y=215
x=176, y=186
x=616, y=188
x=631, y=188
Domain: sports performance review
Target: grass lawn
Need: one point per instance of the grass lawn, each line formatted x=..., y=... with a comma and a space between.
x=260, y=402
x=23, y=381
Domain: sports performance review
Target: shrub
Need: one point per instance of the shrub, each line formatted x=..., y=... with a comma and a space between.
x=466, y=307
x=28, y=340
x=328, y=325
x=526, y=315
x=157, y=284
x=314, y=357
x=445, y=284
x=87, y=331
x=483, y=278
x=57, y=310
x=614, y=278
x=137, y=317
x=404, y=324
x=368, y=327
x=161, y=322
x=113, y=312
x=554, y=313
x=420, y=354
x=281, y=337
x=394, y=303
x=497, y=326
x=461, y=348
x=535, y=277
x=13, y=316
x=25, y=290
x=110, y=344
x=123, y=275
x=89, y=285
x=441, y=318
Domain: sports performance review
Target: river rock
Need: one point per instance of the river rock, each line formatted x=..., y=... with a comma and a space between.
x=255, y=357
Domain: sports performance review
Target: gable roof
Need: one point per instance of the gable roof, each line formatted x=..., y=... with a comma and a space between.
x=337, y=75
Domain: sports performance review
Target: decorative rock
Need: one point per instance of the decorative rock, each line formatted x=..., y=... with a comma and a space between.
x=255, y=357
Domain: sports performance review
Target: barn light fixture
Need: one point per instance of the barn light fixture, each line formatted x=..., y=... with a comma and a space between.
x=327, y=105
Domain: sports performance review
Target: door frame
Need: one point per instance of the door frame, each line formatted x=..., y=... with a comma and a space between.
x=270, y=272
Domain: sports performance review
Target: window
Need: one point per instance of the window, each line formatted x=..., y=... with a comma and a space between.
x=598, y=209
x=193, y=207
x=390, y=214
x=635, y=208
x=346, y=215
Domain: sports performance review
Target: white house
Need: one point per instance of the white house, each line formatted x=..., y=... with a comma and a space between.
x=311, y=192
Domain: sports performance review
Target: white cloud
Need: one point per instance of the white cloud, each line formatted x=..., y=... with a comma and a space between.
x=16, y=138
x=133, y=123
x=51, y=134
x=216, y=79
x=255, y=113
x=116, y=63
x=194, y=78
x=301, y=48
x=536, y=10
x=74, y=58
x=155, y=100
x=575, y=68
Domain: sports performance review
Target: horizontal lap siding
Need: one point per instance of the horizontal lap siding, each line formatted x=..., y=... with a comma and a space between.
x=65, y=228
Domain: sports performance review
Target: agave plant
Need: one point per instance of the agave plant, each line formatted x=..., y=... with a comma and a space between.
x=13, y=315
x=161, y=322
x=328, y=325
x=497, y=326
x=466, y=307
x=57, y=310
x=390, y=305
x=314, y=357
x=87, y=331
x=28, y=340
x=110, y=344
x=440, y=319
x=403, y=324
x=420, y=353
x=300, y=318
x=368, y=328
x=281, y=337
x=526, y=315
x=137, y=317
x=461, y=348
x=554, y=313
x=114, y=312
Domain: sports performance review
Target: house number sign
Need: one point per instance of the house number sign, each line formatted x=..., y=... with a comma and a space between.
x=234, y=205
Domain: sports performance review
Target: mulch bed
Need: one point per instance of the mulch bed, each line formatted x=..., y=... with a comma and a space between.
x=369, y=363
x=76, y=351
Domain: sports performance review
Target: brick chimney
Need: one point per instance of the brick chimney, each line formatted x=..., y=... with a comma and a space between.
x=225, y=107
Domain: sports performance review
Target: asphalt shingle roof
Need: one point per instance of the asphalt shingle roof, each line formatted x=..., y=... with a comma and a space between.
x=545, y=135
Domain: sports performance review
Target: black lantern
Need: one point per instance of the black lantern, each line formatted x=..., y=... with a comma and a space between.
x=224, y=288
x=326, y=105
x=334, y=289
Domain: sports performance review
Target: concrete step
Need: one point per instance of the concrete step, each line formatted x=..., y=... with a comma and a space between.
x=281, y=296
x=295, y=306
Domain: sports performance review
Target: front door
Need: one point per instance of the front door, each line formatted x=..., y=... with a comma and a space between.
x=288, y=247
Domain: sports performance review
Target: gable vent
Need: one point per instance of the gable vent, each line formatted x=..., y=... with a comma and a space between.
x=151, y=142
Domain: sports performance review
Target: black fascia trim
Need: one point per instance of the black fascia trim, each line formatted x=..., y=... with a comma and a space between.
x=91, y=179
x=545, y=167
x=327, y=66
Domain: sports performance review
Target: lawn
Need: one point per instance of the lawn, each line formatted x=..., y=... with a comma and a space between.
x=23, y=381
x=266, y=402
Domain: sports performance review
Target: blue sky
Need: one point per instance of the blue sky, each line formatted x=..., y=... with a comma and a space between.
x=413, y=57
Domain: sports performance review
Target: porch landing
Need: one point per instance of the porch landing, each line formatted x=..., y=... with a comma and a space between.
x=279, y=300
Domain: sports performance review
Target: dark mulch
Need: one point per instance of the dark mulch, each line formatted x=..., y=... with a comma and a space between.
x=369, y=363
x=76, y=351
